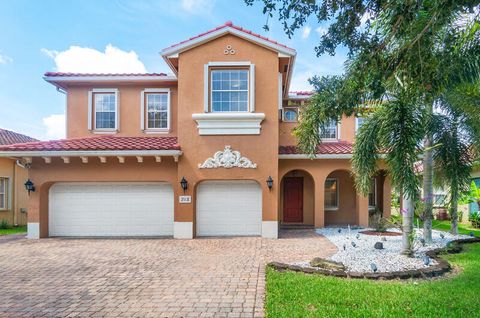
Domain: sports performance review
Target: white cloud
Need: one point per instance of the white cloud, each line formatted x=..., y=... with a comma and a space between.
x=5, y=59
x=197, y=6
x=55, y=126
x=306, y=32
x=88, y=60
x=321, y=30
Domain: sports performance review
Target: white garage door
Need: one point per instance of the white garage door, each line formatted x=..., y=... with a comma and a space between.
x=229, y=208
x=111, y=209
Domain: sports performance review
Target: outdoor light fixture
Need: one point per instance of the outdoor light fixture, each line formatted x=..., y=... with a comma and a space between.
x=270, y=182
x=29, y=186
x=184, y=184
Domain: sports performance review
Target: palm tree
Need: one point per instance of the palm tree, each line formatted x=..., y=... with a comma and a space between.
x=455, y=136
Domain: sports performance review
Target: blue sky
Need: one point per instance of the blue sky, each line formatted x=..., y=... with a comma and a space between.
x=115, y=35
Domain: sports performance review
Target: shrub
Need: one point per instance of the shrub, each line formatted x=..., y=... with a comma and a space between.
x=475, y=219
x=4, y=225
x=396, y=221
x=379, y=223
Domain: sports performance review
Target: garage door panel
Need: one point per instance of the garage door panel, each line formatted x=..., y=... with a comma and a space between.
x=228, y=208
x=111, y=209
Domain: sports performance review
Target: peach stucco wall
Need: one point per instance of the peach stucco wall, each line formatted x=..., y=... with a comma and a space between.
x=17, y=196
x=129, y=109
x=261, y=149
x=346, y=129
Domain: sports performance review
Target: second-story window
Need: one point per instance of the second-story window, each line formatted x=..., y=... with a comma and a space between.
x=358, y=123
x=229, y=90
x=105, y=108
x=157, y=110
x=329, y=131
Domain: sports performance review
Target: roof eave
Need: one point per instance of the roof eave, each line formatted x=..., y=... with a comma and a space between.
x=88, y=153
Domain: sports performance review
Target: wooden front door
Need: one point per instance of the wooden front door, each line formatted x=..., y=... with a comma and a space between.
x=293, y=199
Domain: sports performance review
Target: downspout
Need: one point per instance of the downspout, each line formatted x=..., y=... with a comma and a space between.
x=14, y=195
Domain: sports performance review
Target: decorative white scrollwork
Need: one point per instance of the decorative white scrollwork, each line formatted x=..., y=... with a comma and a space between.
x=227, y=158
x=229, y=50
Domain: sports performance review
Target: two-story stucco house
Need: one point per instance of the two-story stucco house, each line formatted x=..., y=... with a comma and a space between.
x=207, y=151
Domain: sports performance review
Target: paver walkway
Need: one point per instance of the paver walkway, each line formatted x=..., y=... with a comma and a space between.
x=206, y=277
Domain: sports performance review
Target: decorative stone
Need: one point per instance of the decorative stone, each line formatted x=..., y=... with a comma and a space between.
x=326, y=264
x=378, y=246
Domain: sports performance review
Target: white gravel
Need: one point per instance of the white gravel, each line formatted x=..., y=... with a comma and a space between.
x=360, y=258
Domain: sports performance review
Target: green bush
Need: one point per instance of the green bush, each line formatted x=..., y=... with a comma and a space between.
x=475, y=219
x=4, y=225
x=379, y=223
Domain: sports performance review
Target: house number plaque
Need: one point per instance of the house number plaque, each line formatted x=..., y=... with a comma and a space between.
x=185, y=199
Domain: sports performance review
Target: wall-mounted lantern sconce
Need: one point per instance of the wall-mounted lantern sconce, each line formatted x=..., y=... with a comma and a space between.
x=184, y=184
x=29, y=186
x=270, y=182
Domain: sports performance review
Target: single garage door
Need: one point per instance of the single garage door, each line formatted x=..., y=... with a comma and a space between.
x=111, y=209
x=227, y=208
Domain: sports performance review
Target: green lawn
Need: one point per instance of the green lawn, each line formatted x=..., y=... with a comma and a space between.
x=14, y=230
x=292, y=294
x=462, y=227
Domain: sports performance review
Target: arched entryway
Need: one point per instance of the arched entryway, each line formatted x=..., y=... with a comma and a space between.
x=297, y=198
x=340, y=201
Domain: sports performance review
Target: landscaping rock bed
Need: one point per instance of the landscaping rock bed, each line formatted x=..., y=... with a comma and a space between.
x=439, y=267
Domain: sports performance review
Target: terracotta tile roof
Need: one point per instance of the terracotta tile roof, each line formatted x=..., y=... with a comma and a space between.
x=326, y=148
x=8, y=137
x=229, y=24
x=62, y=74
x=98, y=143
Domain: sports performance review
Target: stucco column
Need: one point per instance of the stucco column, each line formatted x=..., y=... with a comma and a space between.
x=33, y=216
x=183, y=225
x=387, y=197
x=362, y=210
x=319, y=201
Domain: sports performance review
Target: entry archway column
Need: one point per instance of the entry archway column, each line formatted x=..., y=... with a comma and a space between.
x=319, y=200
x=362, y=210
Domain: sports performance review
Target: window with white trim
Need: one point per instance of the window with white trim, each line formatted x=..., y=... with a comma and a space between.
x=157, y=110
x=330, y=130
x=359, y=122
x=229, y=90
x=331, y=194
x=3, y=193
x=290, y=114
x=104, y=110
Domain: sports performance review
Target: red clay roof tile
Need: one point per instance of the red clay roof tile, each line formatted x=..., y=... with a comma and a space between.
x=98, y=143
x=229, y=24
x=8, y=137
x=325, y=148
x=66, y=74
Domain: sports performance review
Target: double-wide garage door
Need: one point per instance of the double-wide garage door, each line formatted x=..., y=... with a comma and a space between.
x=111, y=209
x=228, y=208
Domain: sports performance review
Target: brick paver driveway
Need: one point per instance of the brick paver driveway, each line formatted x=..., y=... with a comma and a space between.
x=208, y=277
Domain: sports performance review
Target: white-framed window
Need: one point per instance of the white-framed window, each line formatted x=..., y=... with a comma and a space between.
x=155, y=110
x=3, y=193
x=229, y=90
x=359, y=122
x=439, y=199
x=372, y=194
x=229, y=87
x=331, y=194
x=103, y=113
x=330, y=131
x=290, y=114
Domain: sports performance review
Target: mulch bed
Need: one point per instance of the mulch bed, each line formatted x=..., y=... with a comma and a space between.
x=375, y=233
